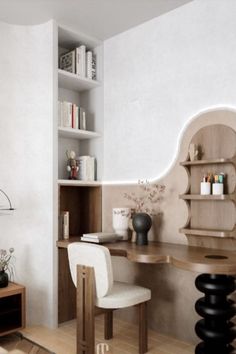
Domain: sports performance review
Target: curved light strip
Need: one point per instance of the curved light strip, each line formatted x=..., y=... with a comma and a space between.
x=8, y=201
x=180, y=137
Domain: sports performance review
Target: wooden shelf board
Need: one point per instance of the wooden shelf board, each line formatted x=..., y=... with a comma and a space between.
x=77, y=183
x=208, y=197
x=208, y=162
x=207, y=232
x=77, y=133
x=74, y=82
x=65, y=243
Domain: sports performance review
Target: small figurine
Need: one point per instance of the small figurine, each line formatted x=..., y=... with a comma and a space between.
x=194, y=153
x=72, y=165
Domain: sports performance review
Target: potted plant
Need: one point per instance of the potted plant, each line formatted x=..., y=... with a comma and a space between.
x=5, y=266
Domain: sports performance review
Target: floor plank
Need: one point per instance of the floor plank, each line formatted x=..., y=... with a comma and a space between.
x=125, y=341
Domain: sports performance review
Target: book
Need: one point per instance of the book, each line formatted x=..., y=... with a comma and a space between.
x=82, y=118
x=86, y=168
x=89, y=59
x=80, y=61
x=94, y=76
x=67, y=61
x=99, y=235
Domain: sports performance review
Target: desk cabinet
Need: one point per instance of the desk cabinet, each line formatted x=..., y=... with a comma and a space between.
x=12, y=308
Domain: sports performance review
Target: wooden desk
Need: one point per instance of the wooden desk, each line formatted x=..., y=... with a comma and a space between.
x=217, y=283
x=194, y=259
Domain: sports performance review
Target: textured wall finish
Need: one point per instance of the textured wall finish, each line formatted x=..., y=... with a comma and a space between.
x=157, y=76
x=173, y=291
x=26, y=133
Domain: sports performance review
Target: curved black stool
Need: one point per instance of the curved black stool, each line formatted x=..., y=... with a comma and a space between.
x=215, y=329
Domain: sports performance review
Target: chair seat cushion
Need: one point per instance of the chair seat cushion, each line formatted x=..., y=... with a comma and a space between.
x=123, y=295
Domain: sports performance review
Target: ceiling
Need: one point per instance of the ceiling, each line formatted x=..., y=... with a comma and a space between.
x=99, y=18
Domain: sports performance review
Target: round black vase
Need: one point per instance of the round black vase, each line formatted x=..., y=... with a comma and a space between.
x=3, y=279
x=142, y=223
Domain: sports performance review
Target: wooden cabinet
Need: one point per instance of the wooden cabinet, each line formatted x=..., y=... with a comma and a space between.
x=211, y=216
x=12, y=308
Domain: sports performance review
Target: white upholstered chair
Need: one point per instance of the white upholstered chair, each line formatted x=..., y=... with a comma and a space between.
x=109, y=294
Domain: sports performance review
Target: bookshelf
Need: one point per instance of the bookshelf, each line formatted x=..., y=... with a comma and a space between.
x=83, y=199
x=211, y=217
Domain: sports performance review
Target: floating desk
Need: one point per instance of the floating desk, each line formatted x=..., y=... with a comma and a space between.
x=217, y=283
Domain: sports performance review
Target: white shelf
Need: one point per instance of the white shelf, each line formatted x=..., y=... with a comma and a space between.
x=74, y=82
x=77, y=133
x=69, y=182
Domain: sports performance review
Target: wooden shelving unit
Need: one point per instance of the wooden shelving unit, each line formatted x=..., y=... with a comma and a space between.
x=208, y=219
x=12, y=308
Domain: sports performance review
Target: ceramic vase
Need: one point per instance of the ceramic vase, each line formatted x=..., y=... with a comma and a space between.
x=142, y=223
x=120, y=221
x=3, y=279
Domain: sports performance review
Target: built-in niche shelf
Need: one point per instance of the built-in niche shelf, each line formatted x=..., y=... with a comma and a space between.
x=74, y=82
x=77, y=133
x=231, y=197
x=209, y=162
x=213, y=233
x=78, y=183
x=210, y=219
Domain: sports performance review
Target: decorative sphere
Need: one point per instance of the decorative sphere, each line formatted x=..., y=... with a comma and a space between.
x=142, y=222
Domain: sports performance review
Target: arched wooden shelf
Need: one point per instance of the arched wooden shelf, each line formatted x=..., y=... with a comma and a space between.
x=209, y=162
x=212, y=233
x=209, y=219
x=231, y=197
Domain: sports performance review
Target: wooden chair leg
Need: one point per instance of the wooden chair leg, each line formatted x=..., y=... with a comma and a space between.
x=143, y=335
x=108, y=324
x=85, y=310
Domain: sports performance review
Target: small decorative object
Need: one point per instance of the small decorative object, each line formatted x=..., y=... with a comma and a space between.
x=120, y=221
x=193, y=152
x=205, y=188
x=142, y=223
x=72, y=165
x=5, y=266
x=217, y=188
x=8, y=200
x=146, y=202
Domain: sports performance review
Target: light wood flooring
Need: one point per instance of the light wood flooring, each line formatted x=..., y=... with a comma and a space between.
x=14, y=344
x=125, y=340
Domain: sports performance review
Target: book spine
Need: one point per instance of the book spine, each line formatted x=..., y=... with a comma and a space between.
x=82, y=119
x=65, y=225
x=80, y=54
x=94, y=75
x=89, y=59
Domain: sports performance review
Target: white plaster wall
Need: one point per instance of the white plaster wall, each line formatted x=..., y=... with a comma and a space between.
x=157, y=76
x=26, y=160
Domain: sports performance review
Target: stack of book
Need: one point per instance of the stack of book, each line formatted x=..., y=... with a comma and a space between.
x=100, y=237
x=71, y=116
x=86, y=168
x=79, y=62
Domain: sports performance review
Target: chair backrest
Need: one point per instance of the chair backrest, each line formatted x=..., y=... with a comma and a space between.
x=95, y=256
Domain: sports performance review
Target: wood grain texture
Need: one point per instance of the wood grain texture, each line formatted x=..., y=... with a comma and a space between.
x=66, y=289
x=85, y=310
x=211, y=218
x=181, y=256
x=13, y=306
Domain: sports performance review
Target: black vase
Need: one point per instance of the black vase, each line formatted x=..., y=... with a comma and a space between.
x=142, y=223
x=3, y=279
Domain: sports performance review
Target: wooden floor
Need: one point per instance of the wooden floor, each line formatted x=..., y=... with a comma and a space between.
x=14, y=344
x=125, y=341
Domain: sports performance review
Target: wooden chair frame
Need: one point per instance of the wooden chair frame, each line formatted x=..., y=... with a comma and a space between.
x=86, y=311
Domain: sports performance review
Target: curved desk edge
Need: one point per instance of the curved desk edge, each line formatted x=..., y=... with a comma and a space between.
x=195, y=259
